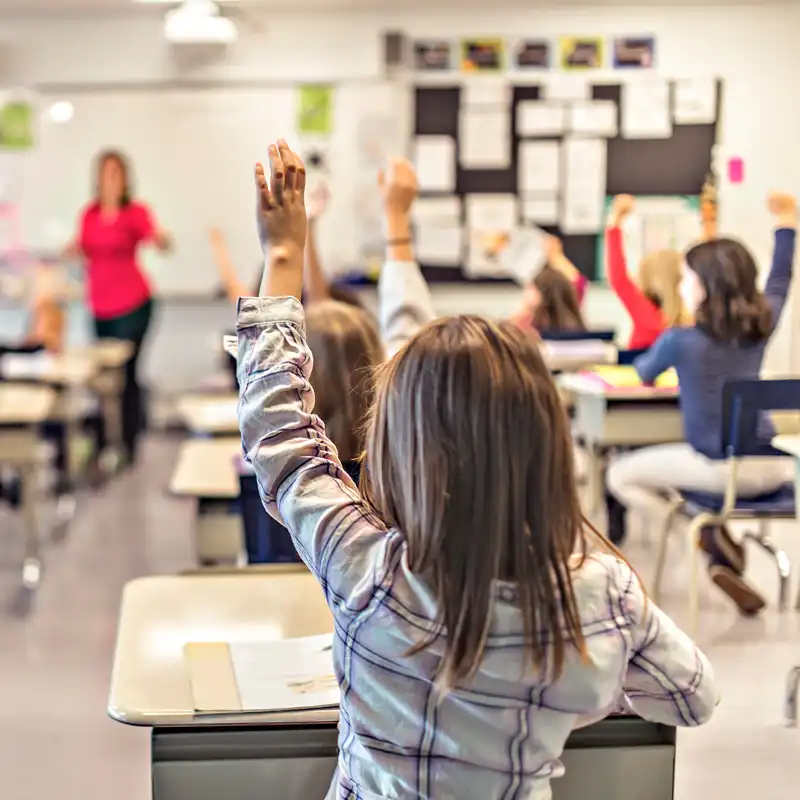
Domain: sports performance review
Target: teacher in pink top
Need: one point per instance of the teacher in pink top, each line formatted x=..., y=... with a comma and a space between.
x=112, y=229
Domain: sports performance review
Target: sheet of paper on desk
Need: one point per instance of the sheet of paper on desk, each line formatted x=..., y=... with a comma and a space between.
x=593, y=118
x=285, y=675
x=539, y=167
x=485, y=138
x=540, y=118
x=26, y=366
x=646, y=109
x=583, y=201
x=435, y=163
x=695, y=101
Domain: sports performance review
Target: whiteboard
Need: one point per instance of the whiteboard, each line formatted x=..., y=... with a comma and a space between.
x=193, y=153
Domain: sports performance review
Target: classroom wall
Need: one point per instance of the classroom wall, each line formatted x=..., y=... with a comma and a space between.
x=751, y=48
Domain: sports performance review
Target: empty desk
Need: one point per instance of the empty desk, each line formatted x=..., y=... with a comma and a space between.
x=210, y=415
x=292, y=756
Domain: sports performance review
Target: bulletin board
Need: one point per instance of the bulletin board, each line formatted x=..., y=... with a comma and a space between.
x=674, y=166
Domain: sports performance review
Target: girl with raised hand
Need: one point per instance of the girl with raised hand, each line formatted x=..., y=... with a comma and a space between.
x=733, y=324
x=473, y=628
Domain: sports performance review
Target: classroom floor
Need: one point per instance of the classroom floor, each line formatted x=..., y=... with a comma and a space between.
x=56, y=741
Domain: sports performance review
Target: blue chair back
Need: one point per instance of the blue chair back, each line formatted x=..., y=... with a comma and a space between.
x=745, y=429
x=627, y=357
x=577, y=336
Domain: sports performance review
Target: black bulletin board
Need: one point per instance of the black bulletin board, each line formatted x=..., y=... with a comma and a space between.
x=679, y=165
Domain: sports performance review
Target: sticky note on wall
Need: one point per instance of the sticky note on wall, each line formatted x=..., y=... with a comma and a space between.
x=736, y=169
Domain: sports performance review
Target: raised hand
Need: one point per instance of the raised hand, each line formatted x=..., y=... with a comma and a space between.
x=398, y=186
x=621, y=209
x=784, y=208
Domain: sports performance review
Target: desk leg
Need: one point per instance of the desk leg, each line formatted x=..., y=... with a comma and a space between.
x=596, y=491
x=31, y=565
x=111, y=457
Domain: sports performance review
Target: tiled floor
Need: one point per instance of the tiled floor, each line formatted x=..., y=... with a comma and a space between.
x=56, y=742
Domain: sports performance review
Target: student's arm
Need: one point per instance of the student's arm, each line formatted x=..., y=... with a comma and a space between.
x=316, y=285
x=299, y=474
x=403, y=294
x=660, y=357
x=784, y=208
x=668, y=680
x=234, y=288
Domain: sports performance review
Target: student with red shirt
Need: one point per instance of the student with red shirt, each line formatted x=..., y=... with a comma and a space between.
x=111, y=230
x=654, y=302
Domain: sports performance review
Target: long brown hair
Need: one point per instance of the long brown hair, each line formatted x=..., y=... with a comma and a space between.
x=346, y=346
x=559, y=308
x=121, y=160
x=468, y=453
x=660, y=279
x=734, y=310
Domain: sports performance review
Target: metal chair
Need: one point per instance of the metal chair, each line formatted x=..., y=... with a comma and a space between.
x=745, y=403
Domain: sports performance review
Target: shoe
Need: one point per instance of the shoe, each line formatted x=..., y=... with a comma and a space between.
x=748, y=600
x=722, y=548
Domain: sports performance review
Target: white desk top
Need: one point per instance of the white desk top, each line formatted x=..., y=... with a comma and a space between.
x=788, y=443
x=573, y=356
x=22, y=404
x=206, y=468
x=107, y=353
x=71, y=369
x=579, y=384
x=210, y=414
x=150, y=682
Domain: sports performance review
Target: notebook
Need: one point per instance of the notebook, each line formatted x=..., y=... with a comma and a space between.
x=626, y=377
x=262, y=677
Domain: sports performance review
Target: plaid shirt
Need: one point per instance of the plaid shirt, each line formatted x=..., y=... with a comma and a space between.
x=498, y=737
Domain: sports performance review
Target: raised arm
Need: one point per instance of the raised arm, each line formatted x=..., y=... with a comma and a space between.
x=779, y=281
x=316, y=285
x=234, y=288
x=668, y=680
x=404, y=296
x=300, y=478
x=642, y=311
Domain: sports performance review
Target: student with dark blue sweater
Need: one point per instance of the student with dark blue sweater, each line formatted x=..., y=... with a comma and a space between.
x=733, y=323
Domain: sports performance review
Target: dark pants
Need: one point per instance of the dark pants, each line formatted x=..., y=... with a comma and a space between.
x=131, y=328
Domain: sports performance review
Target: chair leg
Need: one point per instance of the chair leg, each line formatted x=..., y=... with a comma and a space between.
x=762, y=539
x=792, y=688
x=662, y=548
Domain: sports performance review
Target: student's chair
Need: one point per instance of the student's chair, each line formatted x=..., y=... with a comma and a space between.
x=745, y=405
x=266, y=540
x=577, y=336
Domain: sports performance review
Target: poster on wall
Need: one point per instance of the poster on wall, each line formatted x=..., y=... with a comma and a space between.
x=581, y=52
x=433, y=55
x=634, y=52
x=532, y=54
x=483, y=55
x=17, y=119
x=315, y=110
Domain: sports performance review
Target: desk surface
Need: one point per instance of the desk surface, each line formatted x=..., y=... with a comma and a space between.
x=788, y=443
x=107, y=353
x=66, y=369
x=210, y=414
x=22, y=404
x=574, y=356
x=206, y=468
x=580, y=384
x=159, y=615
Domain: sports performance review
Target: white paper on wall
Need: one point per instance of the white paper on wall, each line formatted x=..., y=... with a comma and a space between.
x=564, y=86
x=540, y=118
x=435, y=163
x=438, y=232
x=486, y=91
x=646, y=109
x=593, y=118
x=695, y=101
x=540, y=210
x=539, y=167
x=485, y=139
x=583, y=202
x=491, y=219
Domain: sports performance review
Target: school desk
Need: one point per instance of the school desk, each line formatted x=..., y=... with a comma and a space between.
x=210, y=415
x=571, y=356
x=292, y=756
x=206, y=474
x=790, y=443
x=23, y=409
x=630, y=416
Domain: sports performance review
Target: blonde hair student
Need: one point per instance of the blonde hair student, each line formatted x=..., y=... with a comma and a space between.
x=473, y=627
x=733, y=323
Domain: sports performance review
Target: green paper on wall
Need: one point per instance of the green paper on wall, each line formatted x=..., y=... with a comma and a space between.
x=16, y=125
x=315, y=110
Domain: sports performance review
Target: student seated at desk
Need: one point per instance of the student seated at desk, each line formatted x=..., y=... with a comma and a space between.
x=474, y=629
x=734, y=322
x=653, y=302
x=552, y=301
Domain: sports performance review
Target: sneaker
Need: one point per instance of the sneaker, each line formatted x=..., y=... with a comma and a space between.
x=748, y=600
x=722, y=548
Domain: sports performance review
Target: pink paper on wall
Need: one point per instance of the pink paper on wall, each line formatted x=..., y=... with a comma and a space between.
x=736, y=170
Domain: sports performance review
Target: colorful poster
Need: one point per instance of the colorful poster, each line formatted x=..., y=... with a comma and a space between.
x=581, y=52
x=315, y=110
x=532, y=54
x=483, y=55
x=16, y=124
x=634, y=52
x=433, y=55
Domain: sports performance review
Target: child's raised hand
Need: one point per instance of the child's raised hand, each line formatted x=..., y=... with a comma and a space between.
x=280, y=202
x=784, y=207
x=317, y=202
x=621, y=209
x=398, y=187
